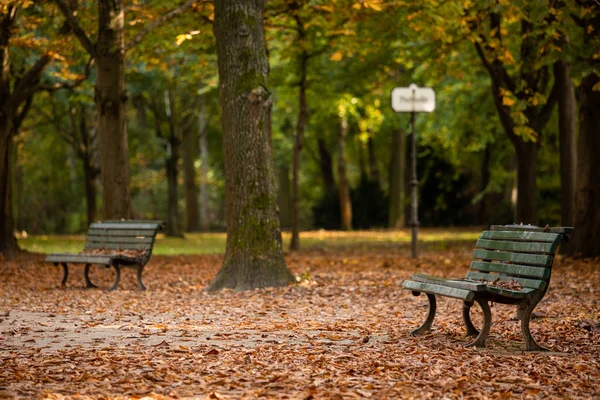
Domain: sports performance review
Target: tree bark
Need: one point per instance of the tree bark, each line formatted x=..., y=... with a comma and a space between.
x=253, y=254
x=567, y=133
x=587, y=196
x=326, y=166
x=8, y=242
x=527, y=190
x=397, y=179
x=111, y=98
x=344, y=186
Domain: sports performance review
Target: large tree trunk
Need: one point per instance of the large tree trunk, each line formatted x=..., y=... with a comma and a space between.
x=8, y=242
x=586, y=237
x=397, y=179
x=567, y=133
x=344, y=186
x=253, y=254
x=299, y=142
x=111, y=98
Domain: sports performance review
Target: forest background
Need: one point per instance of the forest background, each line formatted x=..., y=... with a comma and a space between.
x=512, y=138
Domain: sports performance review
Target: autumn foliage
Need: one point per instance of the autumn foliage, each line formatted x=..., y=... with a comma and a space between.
x=341, y=332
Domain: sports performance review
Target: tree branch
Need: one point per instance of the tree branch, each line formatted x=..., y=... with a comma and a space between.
x=546, y=111
x=158, y=22
x=79, y=32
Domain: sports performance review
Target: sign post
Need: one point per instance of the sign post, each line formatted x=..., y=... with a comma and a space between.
x=413, y=99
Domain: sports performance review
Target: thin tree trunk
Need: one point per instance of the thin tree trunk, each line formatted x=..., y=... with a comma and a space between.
x=298, y=144
x=397, y=179
x=373, y=168
x=527, y=190
x=189, y=180
x=253, y=255
x=172, y=159
x=111, y=98
x=344, y=186
x=586, y=237
x=485, y=181
x=567, y=133
x=283, y=199
x=326, y=166
x=203, y=133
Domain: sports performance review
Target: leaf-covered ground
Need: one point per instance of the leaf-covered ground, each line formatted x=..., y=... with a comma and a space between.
x=341, y=333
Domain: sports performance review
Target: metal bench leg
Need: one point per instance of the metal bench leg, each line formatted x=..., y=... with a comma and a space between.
x=530, y=343
x=471, y=330
x=65, y=274
x=426, y=327
x=117, y=277
x=140, y=269
x=86, y=275
x=487, y=324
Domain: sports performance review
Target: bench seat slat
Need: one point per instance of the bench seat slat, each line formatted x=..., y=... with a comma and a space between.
x=523, y=247
x=110, y=239
x=456, y=293
x=117, y=245
x=515, y=294
x=521, y=236
x=519, y=258
x=81, y=258
x=528, y=283
x=511, y=269
x=121, y=232
x=455, y=283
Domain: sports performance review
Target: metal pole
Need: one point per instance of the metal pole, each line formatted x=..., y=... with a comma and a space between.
x=414, y=186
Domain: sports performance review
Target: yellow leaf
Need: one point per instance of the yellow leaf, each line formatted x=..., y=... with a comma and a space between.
x=181, y=39
x=337, y=56
x=507, y=101
x=596, y=87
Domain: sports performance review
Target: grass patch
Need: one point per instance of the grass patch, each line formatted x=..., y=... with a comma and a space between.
x=214, y=243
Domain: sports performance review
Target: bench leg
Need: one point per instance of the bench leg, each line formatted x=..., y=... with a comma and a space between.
x=86, y=275
x=65, y=273
x=471, y=330
x=530, y=343
x=140, y=269
x=426, y=327
x=487, y=324
x=117, y=277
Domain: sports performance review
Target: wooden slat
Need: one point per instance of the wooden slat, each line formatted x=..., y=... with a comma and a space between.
x=523, y=247
x=522, y=236
x=519, y=258
x=121, y=232
x=461, y=294
x=113, y=245
x=455, y=283
x=515, y=294
x=528, y=283
x=125, y=225
x=533, y=228
x=512, y=269
x=121, y=239
x=80, y=258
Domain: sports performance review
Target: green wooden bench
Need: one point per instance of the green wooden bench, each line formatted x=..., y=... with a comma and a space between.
x=114, y=244
x=511, y=264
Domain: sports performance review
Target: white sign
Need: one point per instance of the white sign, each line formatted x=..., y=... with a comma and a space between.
x=413, y=99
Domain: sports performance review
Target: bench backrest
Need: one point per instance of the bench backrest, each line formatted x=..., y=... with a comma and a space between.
x=515, y=254
x=123, y=235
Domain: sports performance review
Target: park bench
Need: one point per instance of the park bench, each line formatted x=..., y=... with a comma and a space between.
x=511, y=264
x=116, y=244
